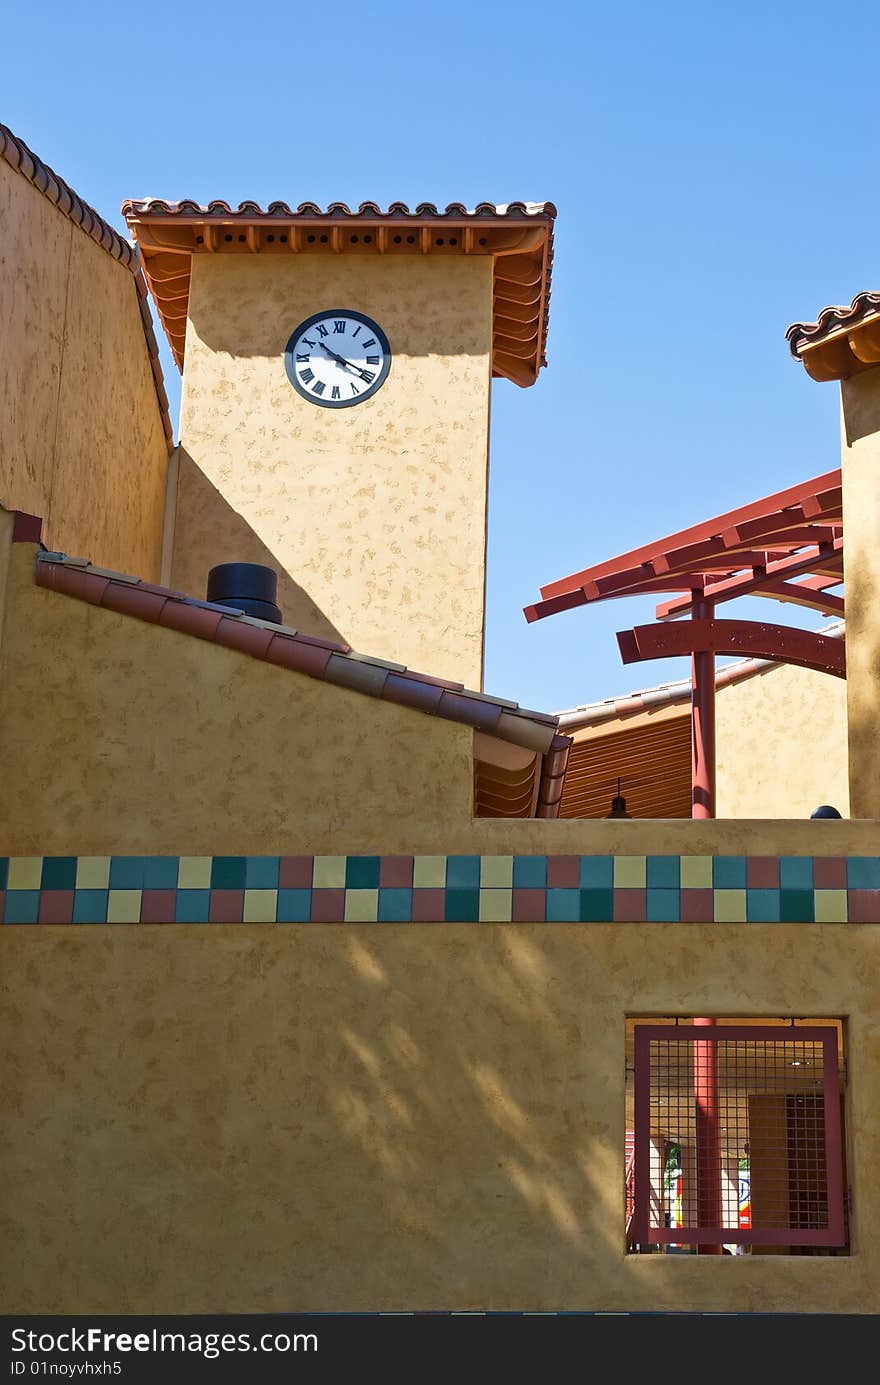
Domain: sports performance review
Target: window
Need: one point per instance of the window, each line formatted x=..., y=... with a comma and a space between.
x=734, y=1137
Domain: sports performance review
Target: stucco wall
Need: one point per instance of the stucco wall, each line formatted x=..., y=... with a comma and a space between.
x=860, y=464
x=374, y=515
x=387, y=1116
x=81, y=438
x=781, y=744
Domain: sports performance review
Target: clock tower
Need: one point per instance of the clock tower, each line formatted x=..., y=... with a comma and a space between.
x=335, y=409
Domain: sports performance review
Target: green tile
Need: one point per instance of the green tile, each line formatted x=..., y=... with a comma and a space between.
x=796, y=872
x=228, y=872
x=462, y=872
x=597, y=906
x=529, y=872
x=59, y=873
x=597, y=873
x=362, y=873
x=564, y=906
x=462, y=906
x=90, y=906
x=22, y=906
x=192, y=906
x=294, y=906
x=395, y=906
x=796, y=906
x=863, y=872
x=127, y=872
x=729, y=872
x=663, y=873
x=661, y=906
x=261, y=872
x=160, y=873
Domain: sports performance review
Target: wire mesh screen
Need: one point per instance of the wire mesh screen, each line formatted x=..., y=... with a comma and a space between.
x=737, y=1137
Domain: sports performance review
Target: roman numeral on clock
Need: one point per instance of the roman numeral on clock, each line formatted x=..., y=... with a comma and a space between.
x=354, y=388
x=339, y=326
x=372, y=360
x=368, y=376
x=322, y=330
x=318, y=387
x=306, y=376
x=368, y=344
x=303, y=358
x=335, y=393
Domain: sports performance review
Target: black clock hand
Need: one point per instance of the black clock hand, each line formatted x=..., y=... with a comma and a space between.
x=342, y=360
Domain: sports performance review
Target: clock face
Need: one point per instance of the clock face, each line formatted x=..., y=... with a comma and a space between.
x=337, y=358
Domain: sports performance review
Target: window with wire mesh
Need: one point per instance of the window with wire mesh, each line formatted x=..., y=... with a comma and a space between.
x=736, y=1141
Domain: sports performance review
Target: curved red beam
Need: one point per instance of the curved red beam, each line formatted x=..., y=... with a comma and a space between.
x=748, y=638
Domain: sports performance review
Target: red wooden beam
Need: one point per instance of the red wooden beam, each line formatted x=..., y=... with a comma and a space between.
x=812, y=495
x=755, y=639
x=749, y=583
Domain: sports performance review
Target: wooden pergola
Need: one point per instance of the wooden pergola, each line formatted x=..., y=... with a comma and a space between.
x=788, y=547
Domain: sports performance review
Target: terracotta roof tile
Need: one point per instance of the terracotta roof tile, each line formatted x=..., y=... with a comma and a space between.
x=842, y=341
x=517, y=235
x=25, y=161
x=317, y=658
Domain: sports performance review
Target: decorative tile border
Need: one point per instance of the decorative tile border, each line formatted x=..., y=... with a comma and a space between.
x=431, y=889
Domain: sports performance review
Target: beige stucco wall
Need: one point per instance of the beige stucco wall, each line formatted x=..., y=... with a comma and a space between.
x=860, y=461
x=347, y=1116
x=383, y=1116
x=781, y=744
x=374, y=516
x=81, y=438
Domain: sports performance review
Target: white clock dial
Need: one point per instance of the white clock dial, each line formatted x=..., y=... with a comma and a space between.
x=337, y=358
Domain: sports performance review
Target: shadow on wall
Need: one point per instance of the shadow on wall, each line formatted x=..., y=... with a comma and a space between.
x=209, y=531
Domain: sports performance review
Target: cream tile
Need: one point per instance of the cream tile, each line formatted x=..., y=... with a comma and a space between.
x=260, y=906
x=696, y=872
x=93, y=872
x=496, y=872
x=496, y=906
x=25, y=873
x=830, y=906
x=429, y=872
x=194, y=873
x=124, y=906
x=328, y=873
x=630, y=872
x=361, y=906
x=730, y=906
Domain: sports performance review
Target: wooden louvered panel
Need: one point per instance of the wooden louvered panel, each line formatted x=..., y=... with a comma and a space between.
x=653, y=761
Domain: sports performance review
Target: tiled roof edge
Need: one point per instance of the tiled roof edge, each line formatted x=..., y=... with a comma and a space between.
x=157, y=206
x=831, y=319
x=276, y=644
x=45, y=180
x=668, y=694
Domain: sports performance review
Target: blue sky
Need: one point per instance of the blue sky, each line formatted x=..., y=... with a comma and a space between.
x=714, y=167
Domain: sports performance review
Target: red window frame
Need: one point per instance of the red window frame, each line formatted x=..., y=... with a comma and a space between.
x=643, y=1233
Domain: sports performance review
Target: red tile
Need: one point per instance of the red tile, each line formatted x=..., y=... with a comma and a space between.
x=157, y=906
x=73, y=581
x=396, y=872
x=697, y=906
x=226, y=906
x=290, y=651
x=563, y=872
x=429, y=906
x=26, y=528
x=295, y=873
x=762, y=873
x=190, y=620
x=248, y=639
x=328, y=906
x=56, y=906
x=864, y=906
x=529, y=906
x=130, y=600
x=829, y=872
x=629, y=906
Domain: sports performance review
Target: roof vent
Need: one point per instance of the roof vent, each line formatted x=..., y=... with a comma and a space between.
x=246, y=586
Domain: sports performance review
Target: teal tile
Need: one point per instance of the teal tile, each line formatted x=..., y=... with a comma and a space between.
x=563, y=906
x=762, y=906
x=462, y=872
x=529, y=872
x=662, y=906
x=663, y=873
x=796, y=906
x=729, y=872
x=90, y=906
x=22, y=906
x=261, y=872
x=395, y=906
x=597, y=873
x=126, y=872
x=462, y=906
x=228, y=872
x=796, y=872
x=294, y=906
x=863, y=872
x=362, y=873
x=192, y=906
x=597, y=906
x=160, y=873
x=59, y=873
x=4, y=871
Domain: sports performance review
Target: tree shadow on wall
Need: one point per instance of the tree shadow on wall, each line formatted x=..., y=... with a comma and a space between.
x=209, y=531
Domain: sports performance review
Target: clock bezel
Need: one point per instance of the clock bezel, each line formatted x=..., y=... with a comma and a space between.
x=374, y=386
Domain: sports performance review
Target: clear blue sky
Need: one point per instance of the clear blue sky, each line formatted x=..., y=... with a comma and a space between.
x=715, y=170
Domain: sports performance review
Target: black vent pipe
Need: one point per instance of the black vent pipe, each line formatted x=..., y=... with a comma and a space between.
x=246, y=586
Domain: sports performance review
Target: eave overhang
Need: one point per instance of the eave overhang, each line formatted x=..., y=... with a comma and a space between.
x=518, y=237
x=842, y=342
